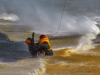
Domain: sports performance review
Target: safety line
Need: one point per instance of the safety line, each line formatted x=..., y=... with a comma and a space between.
x=61, y=18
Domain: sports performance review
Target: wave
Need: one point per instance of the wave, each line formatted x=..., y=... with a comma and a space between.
x=44, y=16
x=9, y=17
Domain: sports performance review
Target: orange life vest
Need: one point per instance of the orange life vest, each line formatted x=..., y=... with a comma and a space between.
x=45, y=40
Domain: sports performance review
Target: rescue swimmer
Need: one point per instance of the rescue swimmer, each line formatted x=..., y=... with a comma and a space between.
x=41, y=47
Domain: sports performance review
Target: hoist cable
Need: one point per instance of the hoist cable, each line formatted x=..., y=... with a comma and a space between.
x=61, y=18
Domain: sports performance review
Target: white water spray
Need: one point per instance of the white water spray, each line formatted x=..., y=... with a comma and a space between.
x=44, y=17
x=9, y=17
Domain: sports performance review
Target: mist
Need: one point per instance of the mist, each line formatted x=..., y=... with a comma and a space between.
x=44, y=16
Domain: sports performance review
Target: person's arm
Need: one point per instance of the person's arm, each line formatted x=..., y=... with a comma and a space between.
x=33, y=38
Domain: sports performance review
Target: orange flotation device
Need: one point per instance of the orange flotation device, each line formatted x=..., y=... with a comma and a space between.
x=27, y=41
x=43, y=39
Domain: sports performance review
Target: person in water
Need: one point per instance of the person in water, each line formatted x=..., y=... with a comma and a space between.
x=42, y=46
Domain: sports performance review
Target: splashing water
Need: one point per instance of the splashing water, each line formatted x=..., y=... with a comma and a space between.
x=44, y=17
x=9, y=17
x=40, y=71
x=18, y=18
x=85, y=44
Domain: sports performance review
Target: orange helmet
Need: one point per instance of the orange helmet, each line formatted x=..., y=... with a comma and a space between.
x=28, y=41
x=42, y=36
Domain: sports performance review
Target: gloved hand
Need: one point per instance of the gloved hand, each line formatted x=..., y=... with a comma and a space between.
x=33, y=34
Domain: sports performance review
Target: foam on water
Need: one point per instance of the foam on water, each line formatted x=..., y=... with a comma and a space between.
x=40, y=71
x=9, y=17
x=24, y=67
